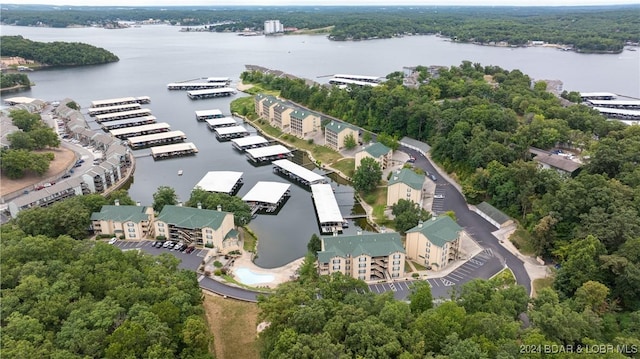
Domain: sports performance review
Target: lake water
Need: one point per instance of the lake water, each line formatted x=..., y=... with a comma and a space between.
x=153, y=56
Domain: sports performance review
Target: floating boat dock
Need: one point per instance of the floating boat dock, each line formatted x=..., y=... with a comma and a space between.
x=195, y=85
x=266, y=196
x=297, y=172
x=120, y=101
x=122, y=115
x=244, y=143
x=227, y=133
x=208, y=114
x=175, y=150
x=327, y=209
x=221, y=182
x=214, y=123
x=128, y=122
x=94, y=111
x=155, y=139
x=226, y=80
x=200, y=94
x=268, y=153
x=124, y=133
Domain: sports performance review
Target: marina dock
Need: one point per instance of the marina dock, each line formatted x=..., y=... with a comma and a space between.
x=94, y=111
x=175, y=150
x=266, y=196
x=208, y=114
x=297, y=172
x=122, y=115
x=329, y=215
x=244, y=143
x=268, y=153
x=221, y=182
x=226, y=80
x=214, y=123
x=124, y=133
x=210, y=93
x=155, y=139
x=195, y=85
x=120, y=101
x=227, y=133
x=129, y=122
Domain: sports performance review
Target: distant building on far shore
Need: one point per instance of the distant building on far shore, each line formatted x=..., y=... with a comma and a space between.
x=273, y=27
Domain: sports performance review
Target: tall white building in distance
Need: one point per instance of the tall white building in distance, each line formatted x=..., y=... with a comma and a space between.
x=273, y=27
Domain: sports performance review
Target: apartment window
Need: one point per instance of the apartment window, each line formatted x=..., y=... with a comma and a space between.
x=132, y=230
x=408, y=190
x=130, y=224
x=348, y=268
x=395, y=269
x=209, y=236
x=336, y=261
x=160, y=224
x=396, y=256
x=362, y=259
x=208, y=230
x=337, y=267
x=362, y=271
x=395, y=275
x=362, y=265
x=131, y=235
x=160, y=229
x=396, y=262
x=361, y=277
x=428, y=244
x=348, y=261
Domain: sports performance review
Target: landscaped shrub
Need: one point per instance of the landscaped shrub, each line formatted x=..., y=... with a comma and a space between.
x=415, y=275
x=217, y=264
x=217, y=272
x=161, y=238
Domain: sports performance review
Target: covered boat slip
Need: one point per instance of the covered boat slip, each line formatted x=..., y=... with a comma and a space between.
x=207, y=114
x=266, y=196
x=200, y=94
x=214, y=123
x=129, y=122
x=195, y=85
x=122, y=115
x=620, y=114
x=120, y=101
x=94, y=111
x=227, y=133
x=297, y=172
x=178, y=149
x=244, y=143
x=327, y=208
x=156, y=139
x=221, y=181
x=268, y=153
x=124, y=133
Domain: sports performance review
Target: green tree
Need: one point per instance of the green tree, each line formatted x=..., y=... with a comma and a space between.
x=44, y=137
x=122, y=196
x=367, y=176
x=211, y=200
x=407, y=215
x=420, y=298
x=315, y=245
x=350, y=142
x=25, y=120
x=21, y=140
x=15, y=162
x=163, y=196
x=366, y=137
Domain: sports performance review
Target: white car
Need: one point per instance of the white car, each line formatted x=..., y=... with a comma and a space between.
x=113, y=240
x=438, y=196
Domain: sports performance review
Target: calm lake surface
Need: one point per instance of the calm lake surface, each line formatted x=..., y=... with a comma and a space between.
x=153, y=56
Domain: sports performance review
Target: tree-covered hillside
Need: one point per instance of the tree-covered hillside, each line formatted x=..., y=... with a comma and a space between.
x=55, y=53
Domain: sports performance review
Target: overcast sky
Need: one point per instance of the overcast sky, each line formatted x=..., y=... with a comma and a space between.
x=322, y=2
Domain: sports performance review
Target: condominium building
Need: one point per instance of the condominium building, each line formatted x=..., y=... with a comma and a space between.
x=435, y=243
x=132, y=222
x=370, y=256
x=379, y=152
x=335, y=134
x=48, y=195
x=282, y=117
x=405, y=184
x=303, y=123
x=273, y=27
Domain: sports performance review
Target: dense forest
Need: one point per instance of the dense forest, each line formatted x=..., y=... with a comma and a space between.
x=55, y=53
x=586, y=29
x=481, y=122
x=63, y=298
x=13, y=80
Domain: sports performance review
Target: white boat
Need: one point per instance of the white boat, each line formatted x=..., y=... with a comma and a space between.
x=179, y=172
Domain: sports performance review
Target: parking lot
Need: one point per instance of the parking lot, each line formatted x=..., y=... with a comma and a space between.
x=437, y=206
x=189, y=261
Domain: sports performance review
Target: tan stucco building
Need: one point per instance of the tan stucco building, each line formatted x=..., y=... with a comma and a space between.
x=132, y=222
x=405, y=184
x=303, y=123
x=335, y=134
x=435, y=242
x=379, y=152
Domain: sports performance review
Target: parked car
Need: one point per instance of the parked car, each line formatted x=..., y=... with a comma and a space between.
x=190, y=249
x=113, y=240
x=434, y=178
x=158, y=244
x=177, y=246
x=438, y=196
x=183, y=248
x=166, y=244
x=80, y=161
x=66, y=175
x=411, y=159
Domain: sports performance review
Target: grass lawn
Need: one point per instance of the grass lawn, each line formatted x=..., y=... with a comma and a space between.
x=504, y=277
x=522, y=240
x=346, y=166
x=540, y=283
x=376, y=197
x=233, y=324
x=250, y=240
x=418, y=266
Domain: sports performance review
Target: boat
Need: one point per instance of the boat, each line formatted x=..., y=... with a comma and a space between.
x=179, y=172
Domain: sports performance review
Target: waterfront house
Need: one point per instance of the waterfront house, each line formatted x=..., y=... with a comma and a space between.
x=335, y=134
x=379, y=152
x=405, y=184
x=370, y=256
x=435, y=243
x=303, y=122
x=201, y=227
x=132, y=222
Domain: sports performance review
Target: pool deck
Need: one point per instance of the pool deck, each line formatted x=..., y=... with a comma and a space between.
x=280, y=274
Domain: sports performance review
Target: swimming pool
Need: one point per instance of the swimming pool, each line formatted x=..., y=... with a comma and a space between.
x=246, y=276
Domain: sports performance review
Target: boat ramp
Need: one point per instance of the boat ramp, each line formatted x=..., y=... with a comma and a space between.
x=124, y=133
x=120, y=101
x=122, y=115
x=227, y=133
x=297, y=172
x=175, y=150
x=208, y=114
x=214, y=123
x=244, y=143
x=129, y=122
x=268, y=153
x=209, y=93
x=329, y=215
x=94, y=111
x=267, y=196
x=155, y=139
x=221, y=182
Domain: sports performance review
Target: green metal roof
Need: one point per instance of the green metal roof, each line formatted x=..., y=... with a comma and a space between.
x=493, y=212
x=376, y=150
x=192, y=218
x=338, y=127
x=439, y=230
x=271, y=100
x=372, y=244
x=232, y=234
x=121, y=214
x=408, y=177
x=300, y=114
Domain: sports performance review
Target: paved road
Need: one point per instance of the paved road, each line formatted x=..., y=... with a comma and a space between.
x=475, y=225
x=192, y=261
